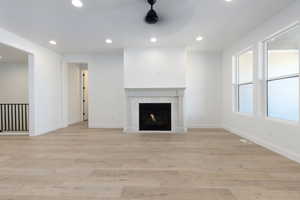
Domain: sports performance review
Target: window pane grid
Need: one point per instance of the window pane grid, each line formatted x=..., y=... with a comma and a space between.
x=283, y=103
x=248, y=83
x=245, y=97
x=282, y=62
x=282, y=75
x=244, y=80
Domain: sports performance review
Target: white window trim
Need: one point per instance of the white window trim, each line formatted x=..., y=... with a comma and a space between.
x=266, y=78
x=236, y=84
x=282, y=121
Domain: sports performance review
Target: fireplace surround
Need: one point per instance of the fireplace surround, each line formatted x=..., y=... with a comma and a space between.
x=158, y=110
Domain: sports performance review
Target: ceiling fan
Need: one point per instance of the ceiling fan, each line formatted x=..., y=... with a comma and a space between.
x=151, y=17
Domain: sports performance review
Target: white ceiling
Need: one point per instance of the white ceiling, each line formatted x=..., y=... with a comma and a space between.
x=12, y=55
x=85, y=29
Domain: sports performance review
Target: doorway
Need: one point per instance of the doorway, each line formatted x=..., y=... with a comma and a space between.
x=85, y=97
x=14, y=91
x=78, y=101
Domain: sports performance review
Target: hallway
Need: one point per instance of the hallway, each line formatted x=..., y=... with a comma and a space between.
x=78, y=163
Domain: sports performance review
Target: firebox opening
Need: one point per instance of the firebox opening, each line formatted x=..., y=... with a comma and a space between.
x=155, y=117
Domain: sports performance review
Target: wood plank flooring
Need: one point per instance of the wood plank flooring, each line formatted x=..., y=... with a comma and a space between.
x=77, y=163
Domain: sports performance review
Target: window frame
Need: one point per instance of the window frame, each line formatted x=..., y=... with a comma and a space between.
x=237, y=83
x=267, y=80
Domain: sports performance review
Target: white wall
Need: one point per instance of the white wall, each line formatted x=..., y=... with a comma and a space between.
x=107, y=94
x=154, y=67
x=106, y=91
x=203, y=92
x=70, y=58
x=45, y=80
x=277, y=135
x=13, y=83
x=74, y=92
x=199, y=72
x=106, y=88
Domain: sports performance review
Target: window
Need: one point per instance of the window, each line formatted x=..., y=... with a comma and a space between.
x=244, y=81
x=283, y=76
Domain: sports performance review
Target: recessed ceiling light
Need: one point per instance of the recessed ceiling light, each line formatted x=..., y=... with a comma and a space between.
x=199, y=38
x=77, y=3
x=228, y=0
x=153, y=39
x=108, y=41
x=52, y=42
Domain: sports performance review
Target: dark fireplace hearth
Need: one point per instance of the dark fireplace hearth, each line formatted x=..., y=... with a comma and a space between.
x=155, y=117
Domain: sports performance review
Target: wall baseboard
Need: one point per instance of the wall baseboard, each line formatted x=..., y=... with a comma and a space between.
x=106, y=126
x=176, y=130
x=275, y=148
x=74, y=122
x=14, y=133
x=204, y=126
x=46, y=131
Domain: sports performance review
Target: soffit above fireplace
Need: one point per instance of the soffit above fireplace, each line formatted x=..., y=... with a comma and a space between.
x=154, y=88
x=155, y=68
x=154, y=92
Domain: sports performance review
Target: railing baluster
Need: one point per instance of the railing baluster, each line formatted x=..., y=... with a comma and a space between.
x=22, y=108
x=11, y=117
x=1, y=113
x=14, y=117
x=19, y=121
x=7, y=117
x=4, y=117
x=26, y=112
x=5, y=129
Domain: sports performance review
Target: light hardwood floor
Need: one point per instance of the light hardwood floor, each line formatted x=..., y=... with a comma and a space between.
x=77, y=163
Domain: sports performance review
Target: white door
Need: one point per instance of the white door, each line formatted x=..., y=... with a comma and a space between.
x=85, y=95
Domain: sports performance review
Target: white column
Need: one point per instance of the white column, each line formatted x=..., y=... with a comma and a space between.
x=31, y=95
x=65, y=96
x=299, y=84
x=261, y=99
x=181, y=121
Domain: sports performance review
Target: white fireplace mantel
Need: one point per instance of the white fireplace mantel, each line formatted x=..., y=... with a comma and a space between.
x=135, y=96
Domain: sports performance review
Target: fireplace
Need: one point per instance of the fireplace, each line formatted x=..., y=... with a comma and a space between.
x=155, y=117
x=155, y=110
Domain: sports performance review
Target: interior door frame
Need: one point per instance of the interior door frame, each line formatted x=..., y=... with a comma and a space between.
x=65, y=86
x=83, y=87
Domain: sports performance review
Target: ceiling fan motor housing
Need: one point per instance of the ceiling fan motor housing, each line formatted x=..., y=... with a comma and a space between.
x=151, y=17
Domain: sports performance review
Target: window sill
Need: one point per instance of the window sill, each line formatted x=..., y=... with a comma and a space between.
x=282, y=121
x=250, y=115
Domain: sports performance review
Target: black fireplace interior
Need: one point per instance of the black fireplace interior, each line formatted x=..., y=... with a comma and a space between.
x=155, y=117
